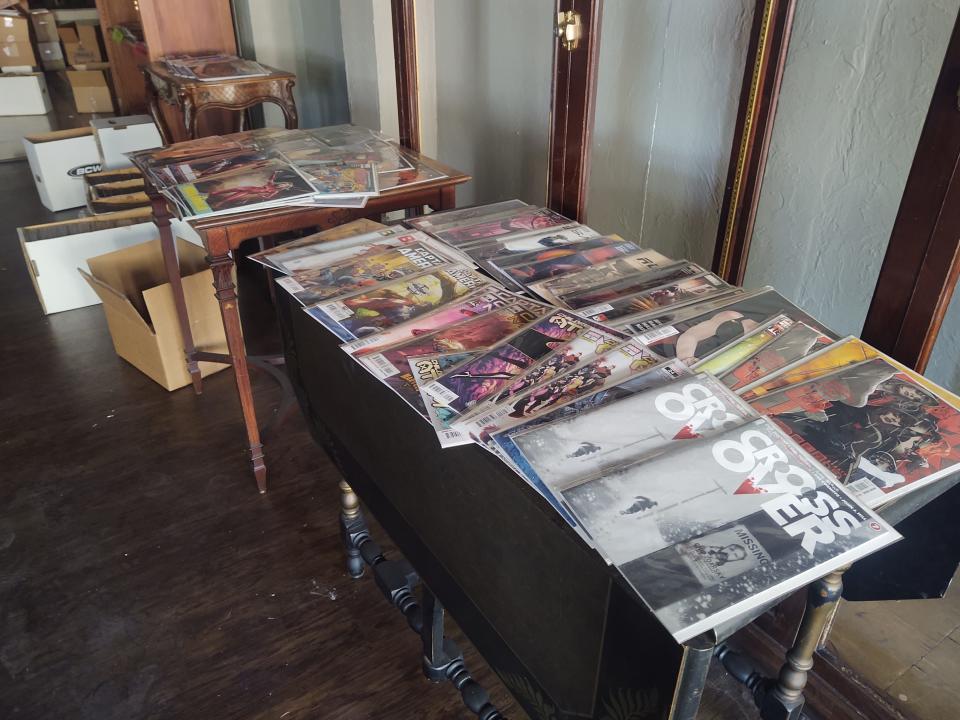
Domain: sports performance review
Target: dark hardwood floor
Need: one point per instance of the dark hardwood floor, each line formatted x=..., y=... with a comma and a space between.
x=142, y=576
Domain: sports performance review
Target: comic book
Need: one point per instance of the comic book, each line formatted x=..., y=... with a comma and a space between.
x=316, y=251
x=525, y=220
x=645, y=261
x=614, y=366
x=366, y=313
x=719, y=526
x=797, y=342
x=607, y=304
x=428, y=368
x=762, y=335
x=632, y=280
x=332, y=180
x=461, y=216
x=385, y=156
x=555, y=262
x=882, y=433
x=480, y=332
x=476, y=303
x=698, y=335
x=364, y=272
x=192, y=170
x=405, y=384
x=419, y=174
x=508, y=248
x=463, y=387
x=559, y=453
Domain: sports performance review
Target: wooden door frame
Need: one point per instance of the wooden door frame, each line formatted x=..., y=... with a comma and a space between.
x=759, y=93
x=405, y=62
x=921, y=265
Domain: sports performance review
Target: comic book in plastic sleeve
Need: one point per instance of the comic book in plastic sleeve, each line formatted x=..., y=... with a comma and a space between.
x=634, y=282
x=425, y=369
x=366, y=313
x=799, y=341
x=645, y=261
x=524, y=220
x=880, y=432
x=315, y=250
x=556, y=262
x=405, y=384
x=463, y=387
x=365, y=272
x=685, y=409
x=518, y=246
x=714, y=528
x=483, y=300
x=476, y=333
x=765, y=333
x=719, y=324
x=608, y=304
x=614, y=366
x=462, y=215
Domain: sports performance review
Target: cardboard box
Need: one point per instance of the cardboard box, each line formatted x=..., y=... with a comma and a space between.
x=80, y=44
x=51, y=56
x=14, y=28
x=138, y=304
x=91, y=93
x=24, y=95
x=17, y=55
x=116, y=136
x=44, y=26
x=58, y=161
x=53, y=252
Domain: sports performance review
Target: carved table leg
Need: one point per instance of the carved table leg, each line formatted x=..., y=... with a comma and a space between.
x=353, y=529
x=168, y=246
x=222, y=267
x=289, y=107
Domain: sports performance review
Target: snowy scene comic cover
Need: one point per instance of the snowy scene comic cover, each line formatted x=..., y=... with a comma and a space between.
x=643, y=261
x=463, y=387
x=880, y=432
x=766, y=332
x=370, y=312
x=716, y=527
x=477, y=333
x=476, y=303
x=796, y=343
x=618, y=301
x=614, y=366
x=596, y=440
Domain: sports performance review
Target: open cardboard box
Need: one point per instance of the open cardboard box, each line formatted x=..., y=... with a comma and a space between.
x=138, y=303
x=91, y=92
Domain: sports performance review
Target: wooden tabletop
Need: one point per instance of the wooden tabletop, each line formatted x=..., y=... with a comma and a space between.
x=161, y=71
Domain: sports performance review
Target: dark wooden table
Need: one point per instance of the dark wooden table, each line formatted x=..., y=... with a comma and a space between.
x=193, y=97
x=222, y=236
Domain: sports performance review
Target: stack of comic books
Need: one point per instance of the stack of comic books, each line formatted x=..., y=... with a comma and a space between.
x=337, y=166
x=719, y=447
x=212, y=67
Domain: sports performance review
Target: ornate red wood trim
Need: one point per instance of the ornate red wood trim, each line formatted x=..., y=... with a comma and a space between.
x=572, y=111
x=405, y=59
x=921, y=266
x=766, y=57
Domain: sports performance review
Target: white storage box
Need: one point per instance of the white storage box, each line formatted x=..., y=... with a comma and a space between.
x=24, y=95
x=116, y=136
x=58, y=161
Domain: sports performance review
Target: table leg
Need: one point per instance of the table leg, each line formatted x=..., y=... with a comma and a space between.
x=289, y=107
x=168, y=246
x=222, y=266
x=353, y=529
x=448, y=197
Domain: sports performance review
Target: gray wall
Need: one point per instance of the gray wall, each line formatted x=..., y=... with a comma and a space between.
x=303, y=37
x=493, y=70
x=667, y=94
x=855, y=92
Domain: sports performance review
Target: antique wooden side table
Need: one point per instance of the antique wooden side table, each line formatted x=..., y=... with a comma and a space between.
x=222, y=236
x=193, y=97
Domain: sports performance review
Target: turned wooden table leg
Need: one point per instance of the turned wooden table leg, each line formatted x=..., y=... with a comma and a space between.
x=168, y=245
x=222, y=266
x=353, y=529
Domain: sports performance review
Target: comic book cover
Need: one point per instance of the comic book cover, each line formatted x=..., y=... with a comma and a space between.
x=363, y=272
x=607, y=305
x=405, y=384
x=460, y=216
x=525, y=220
x=463, y=387
x=426, y=369
x=797, y=342
x=419, y=174
x=645, y=261
x=555, y=262
x=188, y=171
x=478, y=302
x=614, y=366
x=633, y=281
x=269, y=184
x=713, y=528
x=341, y=179
x=317, y=250
x=384, y=156
x=508, y=248
x=696, y=336
x=480, y=332
x=722, y=360
x=559, y=453
x=882, y=433
x=370, y=312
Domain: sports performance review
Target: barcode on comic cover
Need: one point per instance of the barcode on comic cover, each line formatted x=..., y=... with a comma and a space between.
x=863, y=487
x=359, y=343
x=443, y=395
x=336, y=310
x=289, y=284
x=658, y=334
x=597, y=309
x=381, y=367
